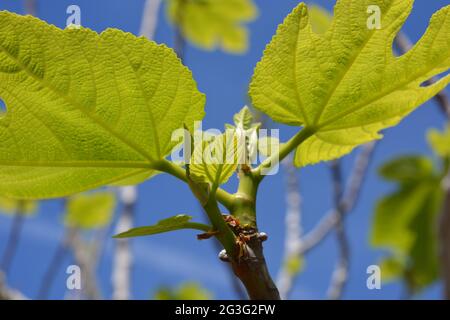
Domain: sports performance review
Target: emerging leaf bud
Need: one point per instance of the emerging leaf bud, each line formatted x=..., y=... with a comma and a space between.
x=224, y=256
x=263, y=236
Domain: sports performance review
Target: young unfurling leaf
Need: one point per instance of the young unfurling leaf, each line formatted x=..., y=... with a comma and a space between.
x=215, y=160
x=85, y=110
x=243, y=119
x=247, y=130
x=178, y=222
x=346, y=85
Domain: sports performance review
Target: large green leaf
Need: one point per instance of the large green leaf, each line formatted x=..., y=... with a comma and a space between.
x=85, y=110
x=178, y=222
x=346, y=85
x=214, y=23
x=405, y=222
x=247, y=131
x=90, y=211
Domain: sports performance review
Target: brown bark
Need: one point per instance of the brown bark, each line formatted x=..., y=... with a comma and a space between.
x=444, y=239
x=254, y=274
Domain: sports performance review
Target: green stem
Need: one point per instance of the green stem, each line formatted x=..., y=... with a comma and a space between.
x=251, y=269
x=285, y=149
x=245, y=199
x=226, y=235
x=168, y=167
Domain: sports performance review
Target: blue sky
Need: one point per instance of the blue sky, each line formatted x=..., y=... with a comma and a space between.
x=170, y=259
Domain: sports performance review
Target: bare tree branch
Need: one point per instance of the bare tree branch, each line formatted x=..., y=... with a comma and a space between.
x=13, y=241
x=298, y=244
x=179, y=40
x=123, y=259
x=57, y=260
x=340, y=273
x=293, y=223
x=30, y=7
x=9, y=293
x=55, y=264
x=348, y=202
x=150, y=18
x=86, y=256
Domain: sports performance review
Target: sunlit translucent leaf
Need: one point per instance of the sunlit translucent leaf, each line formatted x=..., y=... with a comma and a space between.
x=178, y=222
x=215, y=161
x=346, y=84
x=85, y=110
x=214, y=23
x=405, y=222
x=187, y=291
x=440, y=142
x=90, y=211
x=13, y=206
x=248, y=130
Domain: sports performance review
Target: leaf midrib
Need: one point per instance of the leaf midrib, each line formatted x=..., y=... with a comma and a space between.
x=342, y=76
x=79, y=164
x=365, y=104
x=147, y=100
x=294, y=70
